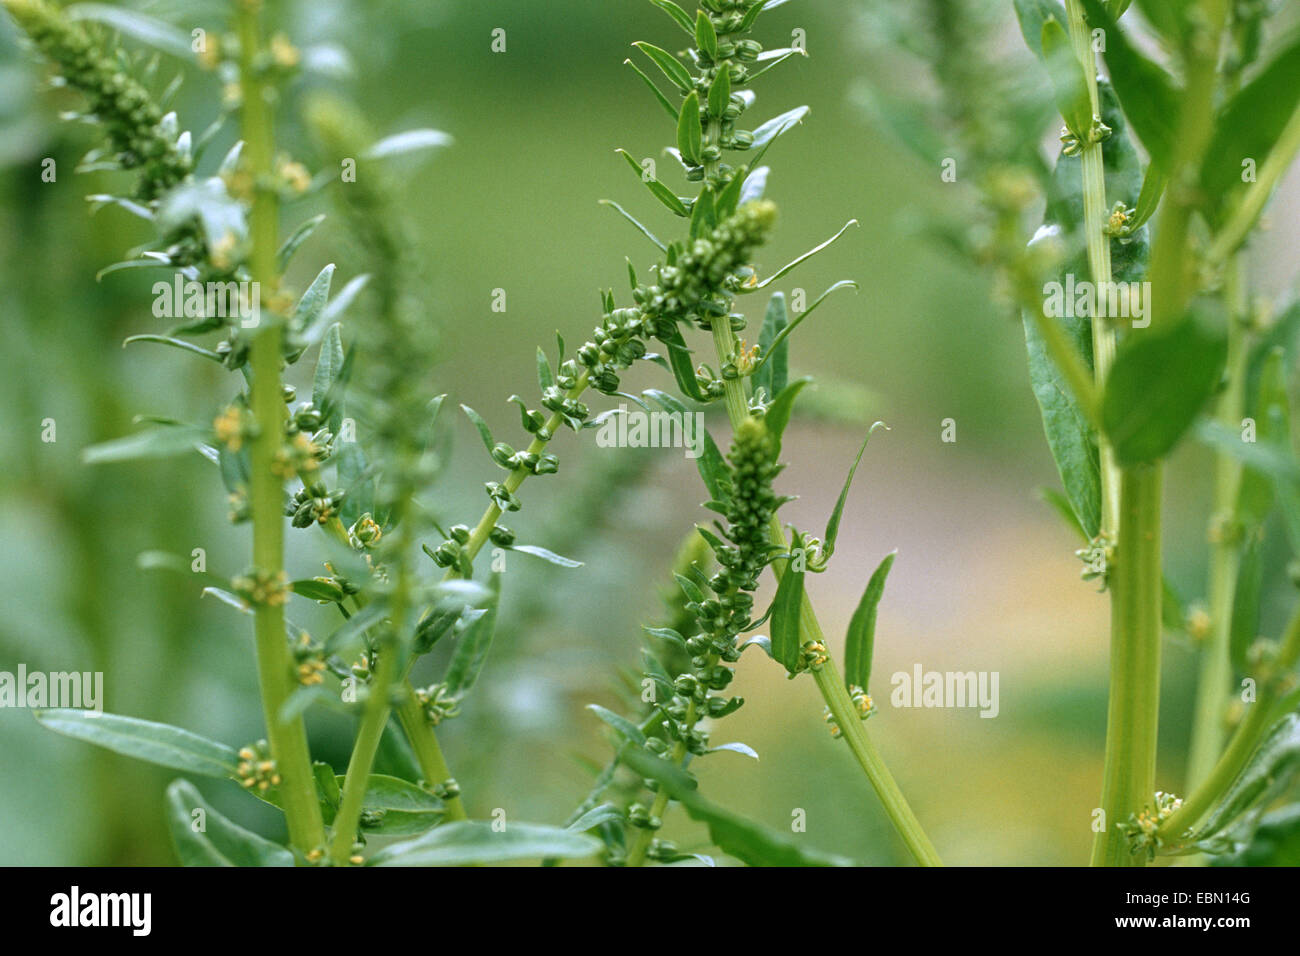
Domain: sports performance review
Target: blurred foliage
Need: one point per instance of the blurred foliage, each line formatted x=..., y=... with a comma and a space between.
x=985, y=579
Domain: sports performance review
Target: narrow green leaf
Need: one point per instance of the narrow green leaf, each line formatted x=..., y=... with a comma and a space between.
x=1061, y=505
x=706, y=38
x=779, y=343
x=634, y=221
x=557, y=559
x=149, y=444
x=395, y=807
x=657, y=189
x=805, y=257
x=408, y=141
x=654, y=88
x=1249, y=124
x=786, y=611
x=296, y=239
x=859, y=645
x=767, y=133
x=473, y=644
x=669, y=64
x=1245, y=603
x=315, y=590
x=690, y=135
x=1271, y=769
x=778, y=413
x=203, y=837
x=328, y=365
x=312, y=303
x=745, y=750
x=1153, y=188
x=720, y=92
x=484, y=432
x=625, y=728
x=145, y=740
x=679, y=359
x=682, y=18
x=833, y=525
x=1032, y=15
x=774, y=371
x=468, y=842
x=597, y=816
x=176, y=344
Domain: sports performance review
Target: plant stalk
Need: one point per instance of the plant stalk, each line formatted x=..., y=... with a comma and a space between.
x=1209, y=730
x=288, y=738
x=1241, y=746
x=1134, y=706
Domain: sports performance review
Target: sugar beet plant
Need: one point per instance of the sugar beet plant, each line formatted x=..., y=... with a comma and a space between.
x=1143, y=329
x=400, y=582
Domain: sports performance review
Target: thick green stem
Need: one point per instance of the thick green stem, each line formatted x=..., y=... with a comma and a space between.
x=1209, y=729
x=288, y=738
x=1131, y=720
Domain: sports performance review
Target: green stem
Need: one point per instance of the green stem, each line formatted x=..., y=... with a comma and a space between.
x=828, y=678
x=1209, y=730
x=1242, y=744
x=288, y=738
x=1243, y=218
x=1132, y=716
x=423, y=739
x=641, y=842
x=1094, y=219
x=373, y=722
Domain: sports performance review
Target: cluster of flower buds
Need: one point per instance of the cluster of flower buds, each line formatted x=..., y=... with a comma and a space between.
x=698, y=285
x=312, y=504
x=308, y=660
x=437, y=703
x=132, y=120
x=256, y=769
x=1143, y=827
x=862, y=702
x=260, y=588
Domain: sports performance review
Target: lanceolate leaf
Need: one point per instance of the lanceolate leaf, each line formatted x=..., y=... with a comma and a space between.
x=473, y=644
x=156, y=743
x=680, y=16
x=833, y=525
x=774, y=372
x=1251, y=122
x=481, y=426
x=328, y=365
x=669, y=64
x=1157, y=387
x=786, y=611
x=625, y=728
x=657, y=189
x=635, y=222
x=711, y=465
x=392, y=807
x=468, y=842
x=805, y=257
x=1070, y=437
x=859, y=645
x=203, y=837
x=1032, y=15
x=778, y=413
x=1269, y=771
x=689, y=133
x=165, y=442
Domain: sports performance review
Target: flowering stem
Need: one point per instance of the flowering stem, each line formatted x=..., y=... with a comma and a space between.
x=1134, y=706
x=1240, y=747
x=287, y=737
x=1209, y=730
x=829, y=681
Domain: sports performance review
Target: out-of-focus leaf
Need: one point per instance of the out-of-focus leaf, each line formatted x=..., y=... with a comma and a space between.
x=833, y=525
x=1269, y=771
x=145, y=740
x=1158, y=385
x=473, y=644
x=203, y=837
x=469, y=842
x=775, y=371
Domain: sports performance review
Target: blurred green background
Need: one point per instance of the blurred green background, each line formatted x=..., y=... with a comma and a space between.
x=985, y=579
